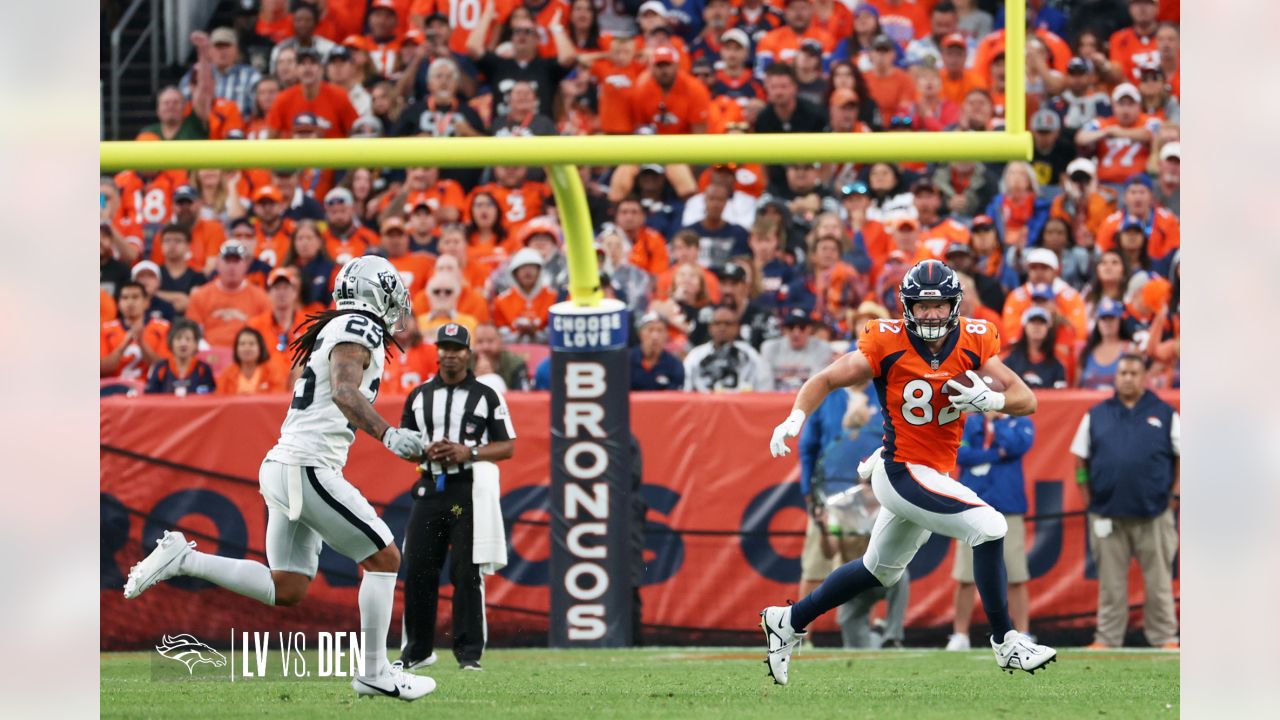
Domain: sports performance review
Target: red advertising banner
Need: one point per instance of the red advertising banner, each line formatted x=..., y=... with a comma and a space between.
x=724, y=527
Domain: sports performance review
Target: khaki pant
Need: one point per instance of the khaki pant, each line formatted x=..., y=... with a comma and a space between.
x=1015, y=555
x=854, y=616
x=1154, y=542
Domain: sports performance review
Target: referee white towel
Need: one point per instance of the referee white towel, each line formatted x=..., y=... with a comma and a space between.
x=489, y=546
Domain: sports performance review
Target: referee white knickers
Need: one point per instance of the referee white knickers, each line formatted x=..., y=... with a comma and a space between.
x=307, y=505
x=917, y=501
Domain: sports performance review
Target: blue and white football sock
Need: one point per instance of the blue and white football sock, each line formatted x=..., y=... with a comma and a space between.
x=377, y=596
x=840, y=587
x=993, y=586
x=246, y=577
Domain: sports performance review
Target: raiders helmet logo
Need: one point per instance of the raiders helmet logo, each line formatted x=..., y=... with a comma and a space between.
x=389, y=281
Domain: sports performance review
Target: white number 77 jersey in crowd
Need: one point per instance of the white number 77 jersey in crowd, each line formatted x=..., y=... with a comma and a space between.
x=315, y=432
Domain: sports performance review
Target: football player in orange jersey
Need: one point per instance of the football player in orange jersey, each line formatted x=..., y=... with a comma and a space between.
x=912, y=362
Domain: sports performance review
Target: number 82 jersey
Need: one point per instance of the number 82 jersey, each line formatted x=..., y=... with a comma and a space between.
x=920, y=424
x=315, y=432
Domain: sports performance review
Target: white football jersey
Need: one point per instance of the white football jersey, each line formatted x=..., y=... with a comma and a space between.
x=315, y=432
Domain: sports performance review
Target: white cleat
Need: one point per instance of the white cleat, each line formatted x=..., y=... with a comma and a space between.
x=394, y=683
x=958, y=642
x=780, y=640
x=162, y=564
x=428, y=661
x=1018, y=652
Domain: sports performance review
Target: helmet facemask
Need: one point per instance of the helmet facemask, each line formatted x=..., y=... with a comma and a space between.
x=930, y=329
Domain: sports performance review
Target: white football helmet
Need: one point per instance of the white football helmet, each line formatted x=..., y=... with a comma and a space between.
x=372, y=284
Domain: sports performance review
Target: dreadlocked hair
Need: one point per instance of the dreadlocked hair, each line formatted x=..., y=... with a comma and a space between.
x=316, y=322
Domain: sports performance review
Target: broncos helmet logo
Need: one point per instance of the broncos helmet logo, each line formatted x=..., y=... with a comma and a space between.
x=189, y=651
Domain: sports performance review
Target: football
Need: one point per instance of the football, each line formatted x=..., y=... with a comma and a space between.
x=963, y=379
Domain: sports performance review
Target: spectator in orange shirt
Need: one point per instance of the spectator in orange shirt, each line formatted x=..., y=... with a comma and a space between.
x=471, y=300
x=384, y=38
x=486, y=236
x=615, y=76
x=204, y=234
x=685, y=251
x=1164, y=232
x=520, y=198
x=106, y=306
x=328, y=102
x=272, y=229
x=251, y=372
x=453, y=242
x=648, y=247
x=282, y=323
x=225, y=305
x=1080, y=204
x=1042, y=270
x=415, y=268
x=668, y=100
x=443, y=290
x=936, y=231
x=890, y=86
x=1135, y=46
x=408, y=368
x=521, y=312
x=344, y=237
x=131, y=344
x=1123, y=140
x=783, y=44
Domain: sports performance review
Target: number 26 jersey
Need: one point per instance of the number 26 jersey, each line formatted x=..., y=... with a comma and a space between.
x=920, y=424
x=315, y=432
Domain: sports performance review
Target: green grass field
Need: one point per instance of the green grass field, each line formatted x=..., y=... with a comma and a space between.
x=681, y=683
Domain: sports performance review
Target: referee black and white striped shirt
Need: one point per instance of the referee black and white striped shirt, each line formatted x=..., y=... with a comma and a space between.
x=470, y=413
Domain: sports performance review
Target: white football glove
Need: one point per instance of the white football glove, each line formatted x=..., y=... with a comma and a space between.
x=405, y=443
x=787, y=430
x=978, y=398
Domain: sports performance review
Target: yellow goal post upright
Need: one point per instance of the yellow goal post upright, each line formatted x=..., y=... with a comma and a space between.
x=591, y=445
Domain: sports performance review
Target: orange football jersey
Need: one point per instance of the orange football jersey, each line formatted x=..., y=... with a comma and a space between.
x=920, y=424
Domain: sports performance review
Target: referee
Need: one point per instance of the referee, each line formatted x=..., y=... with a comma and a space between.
x=462, y=421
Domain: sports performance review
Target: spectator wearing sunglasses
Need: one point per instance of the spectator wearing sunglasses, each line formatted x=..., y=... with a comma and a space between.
x=443, y=291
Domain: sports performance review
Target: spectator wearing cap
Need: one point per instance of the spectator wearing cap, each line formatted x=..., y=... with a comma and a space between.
x=733, y=77
x=1032, y=356
x=1018, y=210
x=304, y=36
x=989, y=292
x=890, y=86
x=328, y=102
x=521, y=311
x=1110, y=339
x=544, y=236
x=1042, y=270
x=1167, y=188
x=785, y=111
x=414, y=268
x=1135, y=46
x=1123, y=141
x=204, y=234
x=844, y=106
x=926, y=48
x=132, y=342
x=1082, y=101
x=441, y=112
x=443, y=291
x=181, y=373
x=797, y=355
x=272, y=229
x=177, y=275
x=633, y=285
x=652, y=367
x=661, y=200
x=250, y=371
x=956, y=76
x=648, y=246
x=937, y=231
x=811, y=83
x=1127, y=468
x=1157, y=100
x=1163, y=231
x=668, y=100
x=524, y=63
x=147, y=274
x=232, y=80
x=1073, y=260
x=726, y=363
x=718, y=239
x=990, y=50
x=223, y=306
x=1051, y=151
x=340, y=69
x=1081, y=204
x=905, y=230
x=344, y=237
x=756, y=321
x=282, y=322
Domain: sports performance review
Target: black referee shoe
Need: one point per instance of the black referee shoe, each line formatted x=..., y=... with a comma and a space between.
x=470, y=665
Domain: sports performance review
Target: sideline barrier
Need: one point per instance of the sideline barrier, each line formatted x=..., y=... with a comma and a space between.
x=723, y=537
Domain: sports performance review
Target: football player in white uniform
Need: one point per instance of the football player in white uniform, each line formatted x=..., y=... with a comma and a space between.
x=308, y=500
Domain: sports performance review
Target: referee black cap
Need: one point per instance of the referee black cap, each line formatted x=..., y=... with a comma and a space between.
x=453, y=333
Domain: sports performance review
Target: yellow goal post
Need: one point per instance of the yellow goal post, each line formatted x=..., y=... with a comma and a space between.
x=562, y=155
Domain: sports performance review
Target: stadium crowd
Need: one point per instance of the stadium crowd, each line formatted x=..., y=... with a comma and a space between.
x=740, y=277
